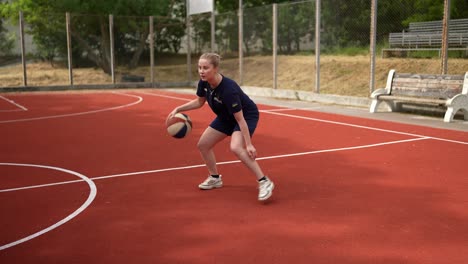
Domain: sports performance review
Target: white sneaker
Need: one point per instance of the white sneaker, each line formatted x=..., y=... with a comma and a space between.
x=211, y=183
x=265, y=189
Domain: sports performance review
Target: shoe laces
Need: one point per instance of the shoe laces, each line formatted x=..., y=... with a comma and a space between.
x=264, y=184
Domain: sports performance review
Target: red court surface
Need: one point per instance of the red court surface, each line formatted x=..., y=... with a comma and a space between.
x=93, y=177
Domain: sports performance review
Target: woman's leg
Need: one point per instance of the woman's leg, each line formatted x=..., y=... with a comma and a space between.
x=207, y=141
x=238, y=148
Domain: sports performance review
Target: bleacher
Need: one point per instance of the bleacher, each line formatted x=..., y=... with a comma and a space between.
x=428, y=36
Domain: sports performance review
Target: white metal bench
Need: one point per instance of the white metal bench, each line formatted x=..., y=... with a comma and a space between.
x=450, y=91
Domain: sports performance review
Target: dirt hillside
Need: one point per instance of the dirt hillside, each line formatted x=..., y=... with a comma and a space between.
x=343, y=75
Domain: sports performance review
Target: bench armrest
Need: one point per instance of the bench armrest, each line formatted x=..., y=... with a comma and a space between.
x=465, y=84
x=382, y=91
x=388, y=88
x=455, y=104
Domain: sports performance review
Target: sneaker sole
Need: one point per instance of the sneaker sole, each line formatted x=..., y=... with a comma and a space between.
x=210, y=187
x=269, y=194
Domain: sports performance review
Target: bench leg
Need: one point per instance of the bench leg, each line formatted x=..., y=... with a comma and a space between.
x=449, y=115
x=374, y=105
x=457, y=103
x=391, y=106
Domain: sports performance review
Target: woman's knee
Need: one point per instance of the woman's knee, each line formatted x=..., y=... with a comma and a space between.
x=237, y=143
x=236, y=148
x=203, y=145
x=209, y=139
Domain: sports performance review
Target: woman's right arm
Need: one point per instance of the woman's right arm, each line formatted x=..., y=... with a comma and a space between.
x=194, y=104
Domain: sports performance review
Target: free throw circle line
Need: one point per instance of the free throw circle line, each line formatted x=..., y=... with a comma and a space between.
x=91, y=196
x=140, y=99
x=20, y=107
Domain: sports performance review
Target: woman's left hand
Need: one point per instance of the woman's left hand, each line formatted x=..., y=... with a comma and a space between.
x=251, y=151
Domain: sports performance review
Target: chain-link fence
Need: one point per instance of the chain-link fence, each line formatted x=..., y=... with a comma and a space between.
x=410, y=40
x=278, y=47
x=90, y=49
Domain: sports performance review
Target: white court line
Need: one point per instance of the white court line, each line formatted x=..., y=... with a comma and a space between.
x=91, y=196
x=140, y=99
x=12, y=110
x=260, y=158
x=39, y=186
x=166, y=96
x=219, y=163
x=13, y=103
x=282, y=109
x=365, y=127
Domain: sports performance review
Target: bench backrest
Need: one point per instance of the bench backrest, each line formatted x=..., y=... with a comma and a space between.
x=429, y=34
x=455, y=25
x=427, y=40
x=428, y=85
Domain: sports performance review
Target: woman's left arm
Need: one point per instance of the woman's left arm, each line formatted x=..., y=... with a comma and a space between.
x=244, y=129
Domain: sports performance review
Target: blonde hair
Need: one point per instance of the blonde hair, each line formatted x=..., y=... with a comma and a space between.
x=213, y=58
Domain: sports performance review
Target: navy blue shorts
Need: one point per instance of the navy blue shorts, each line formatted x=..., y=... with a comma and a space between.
x=228, y=127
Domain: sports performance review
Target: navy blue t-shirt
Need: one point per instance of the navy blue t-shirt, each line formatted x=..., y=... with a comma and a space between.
x=227, y=99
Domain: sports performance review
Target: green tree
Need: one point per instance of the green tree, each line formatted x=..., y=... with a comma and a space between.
x=131, y=35
x=295, y=24
x=391, y=16
x=345, y=23
x=90, y=26
x=428, y=10
x=257, y=24
x=6, y=41
x=459, y=9
x=35, y=22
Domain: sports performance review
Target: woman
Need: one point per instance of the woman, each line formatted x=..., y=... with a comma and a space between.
x=236, y=116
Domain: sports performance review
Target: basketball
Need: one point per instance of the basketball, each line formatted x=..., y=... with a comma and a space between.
x=179, y=126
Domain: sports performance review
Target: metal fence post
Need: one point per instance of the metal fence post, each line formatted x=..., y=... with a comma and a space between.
x=241, y=43
x=317, y=45
x=213, y=28
x=23, y=49
x=151, y=36
x=189, y=56
x=69, y=48
x=373, y=38
x=445, y=36
x=275, y=43
x=111, y=38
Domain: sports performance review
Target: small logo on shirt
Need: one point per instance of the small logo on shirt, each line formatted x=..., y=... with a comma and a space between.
x=234, y=105
x=218, y=100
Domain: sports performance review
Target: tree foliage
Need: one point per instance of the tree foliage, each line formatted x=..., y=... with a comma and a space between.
x=6, y=41
x=45, y=21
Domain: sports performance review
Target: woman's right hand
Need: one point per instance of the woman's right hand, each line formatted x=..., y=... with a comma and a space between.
x=172, y=114
x=194, y=104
